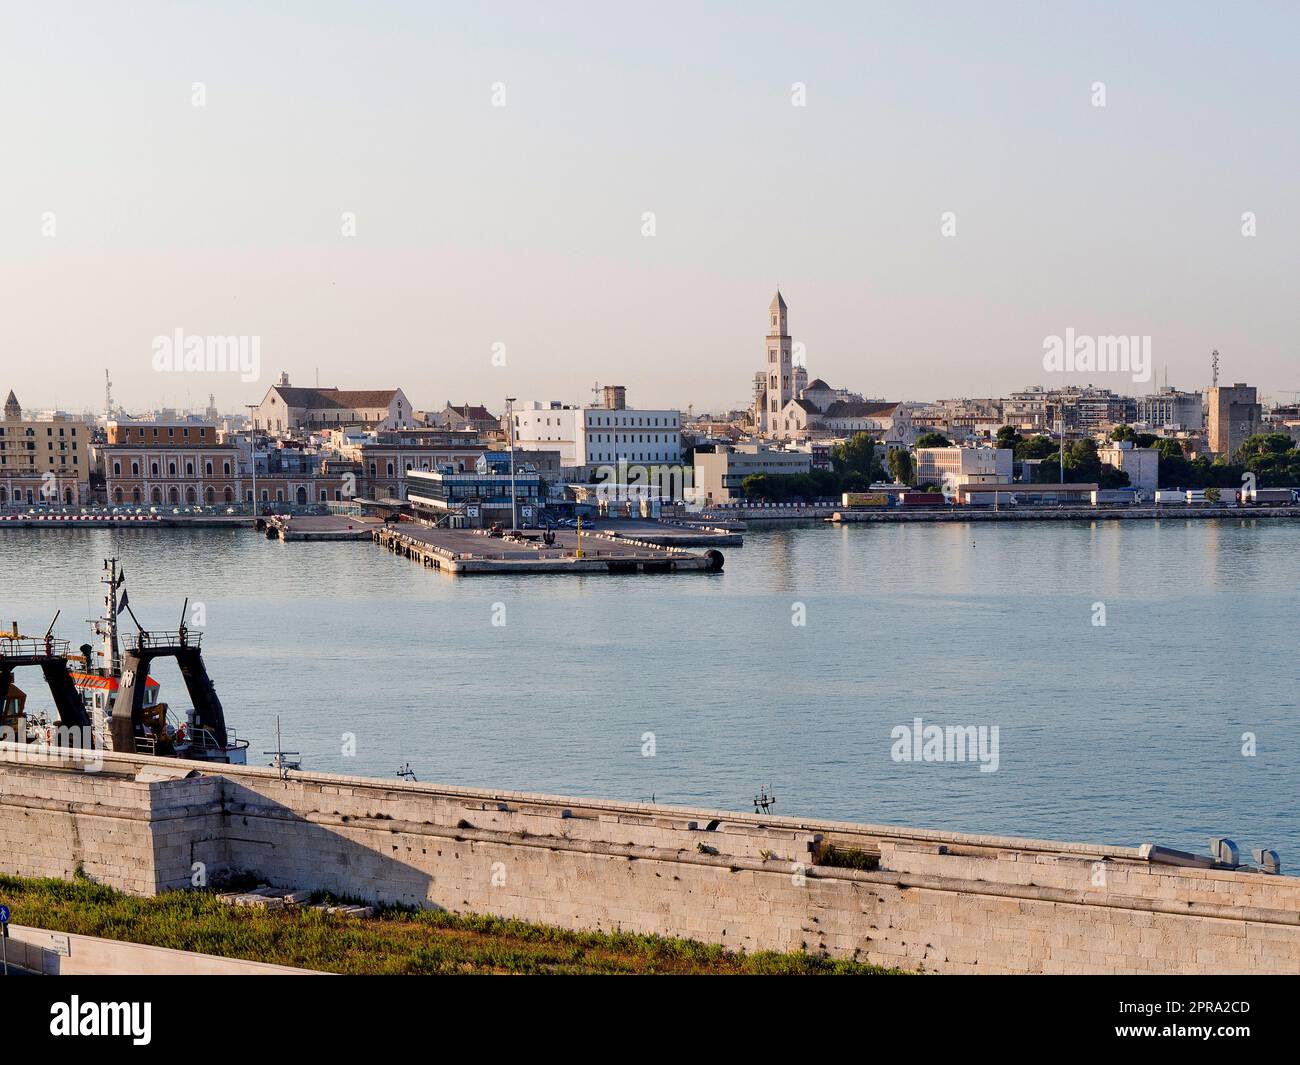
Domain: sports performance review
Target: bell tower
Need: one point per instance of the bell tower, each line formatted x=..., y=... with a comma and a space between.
x=779, y=361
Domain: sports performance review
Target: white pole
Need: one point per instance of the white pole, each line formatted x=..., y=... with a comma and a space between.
x=514, y=498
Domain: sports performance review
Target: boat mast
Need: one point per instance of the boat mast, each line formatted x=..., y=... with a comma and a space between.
x=107, y=626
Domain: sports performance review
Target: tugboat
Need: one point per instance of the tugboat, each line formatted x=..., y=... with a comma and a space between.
x=108, y=701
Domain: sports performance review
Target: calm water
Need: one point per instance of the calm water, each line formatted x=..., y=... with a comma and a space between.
x=1126, y=733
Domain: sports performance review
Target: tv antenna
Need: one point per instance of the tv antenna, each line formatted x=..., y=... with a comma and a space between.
x=406, y=772
x=765, y=799
x=1214, y=368
x=283, y=760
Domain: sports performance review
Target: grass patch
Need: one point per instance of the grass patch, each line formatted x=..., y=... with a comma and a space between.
x=846, y=858
x=394, y=941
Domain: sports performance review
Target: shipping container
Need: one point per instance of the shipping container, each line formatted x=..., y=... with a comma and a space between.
x=1227, y=497
x=1272, y=495
x=865, y=499
x=1164, y=495
x=1114, y=495
x=922, y=499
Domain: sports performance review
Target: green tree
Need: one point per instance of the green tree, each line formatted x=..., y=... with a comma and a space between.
x=1008, y=438
x=933, y=440
x=1036, y=447
x=857, y=455
x=900, y=465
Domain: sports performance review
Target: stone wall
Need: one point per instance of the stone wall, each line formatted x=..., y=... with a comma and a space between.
x=945, y=902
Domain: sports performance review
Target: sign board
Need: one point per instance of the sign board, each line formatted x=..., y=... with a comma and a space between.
x=471, y=512
x=527, y=512
x=60, y=945
x=4, y=914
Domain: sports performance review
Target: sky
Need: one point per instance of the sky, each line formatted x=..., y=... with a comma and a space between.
x=195, y=166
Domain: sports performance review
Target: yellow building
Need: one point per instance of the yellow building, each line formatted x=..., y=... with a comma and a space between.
x=43, y=461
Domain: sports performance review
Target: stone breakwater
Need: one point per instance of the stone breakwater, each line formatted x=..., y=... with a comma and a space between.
x=939, y=901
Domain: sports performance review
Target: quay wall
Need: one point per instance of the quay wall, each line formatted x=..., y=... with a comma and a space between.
x=939, y=901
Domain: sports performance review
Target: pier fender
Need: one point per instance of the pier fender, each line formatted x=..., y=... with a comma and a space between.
x=715, y=560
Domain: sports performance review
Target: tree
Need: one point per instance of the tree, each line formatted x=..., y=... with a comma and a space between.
x=900, y=465
x=1212, y=495
x=1122, y=432
x=933, y=440
x=1036, y=447
x=857, y=455
x=1008, y=437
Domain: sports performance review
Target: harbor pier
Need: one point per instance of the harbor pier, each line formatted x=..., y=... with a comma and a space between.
x=466, y=551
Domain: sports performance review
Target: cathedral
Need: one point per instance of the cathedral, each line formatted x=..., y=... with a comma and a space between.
x=786, y=407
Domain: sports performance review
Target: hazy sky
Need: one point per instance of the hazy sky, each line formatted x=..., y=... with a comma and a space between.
x=522, y=225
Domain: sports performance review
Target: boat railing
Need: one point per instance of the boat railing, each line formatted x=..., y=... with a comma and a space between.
x=28, y=647
x=144, y=641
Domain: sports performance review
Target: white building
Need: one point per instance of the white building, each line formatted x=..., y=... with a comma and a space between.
x=957, y=467
x=1142, y=464
x=600, y=436
x=720, y=474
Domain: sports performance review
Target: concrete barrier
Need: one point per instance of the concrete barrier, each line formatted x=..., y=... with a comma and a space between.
x=64, y=954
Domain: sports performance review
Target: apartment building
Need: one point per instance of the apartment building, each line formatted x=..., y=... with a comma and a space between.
x=45, y=461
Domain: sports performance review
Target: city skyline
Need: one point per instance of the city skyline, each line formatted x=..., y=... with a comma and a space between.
x=438, y=195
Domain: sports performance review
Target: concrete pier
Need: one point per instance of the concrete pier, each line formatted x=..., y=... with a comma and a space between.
x=933, y=900
x=465, y=551
x=309, y=527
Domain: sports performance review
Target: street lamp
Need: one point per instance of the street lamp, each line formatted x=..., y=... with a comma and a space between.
x=514, y=499
x=252, y=453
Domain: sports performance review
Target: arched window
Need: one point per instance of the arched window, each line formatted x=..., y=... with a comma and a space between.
x=173, y=496
x=230, y=496
x=156, y=495
x=226, y=467
x=135, y=469
x=211, y=495
x=390, y=469
x=189, y=469
x=189, y=495
x=117, y=495
x=117, y=469
x=209, y=467
x=153, y=469
x=171, y=469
